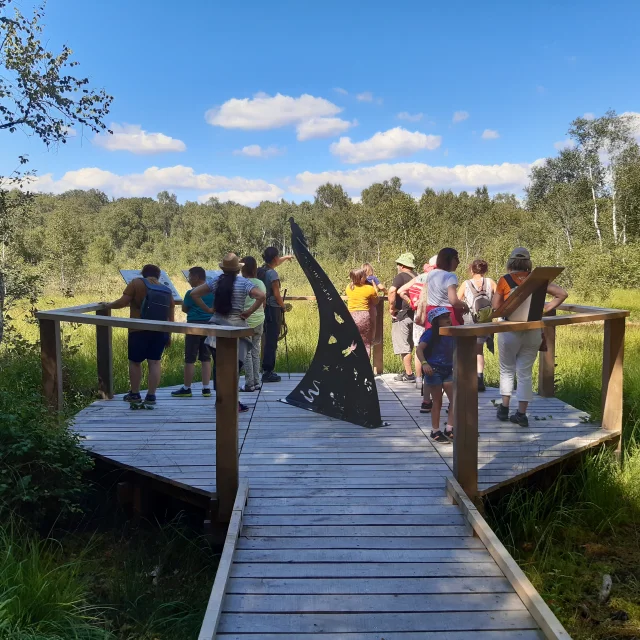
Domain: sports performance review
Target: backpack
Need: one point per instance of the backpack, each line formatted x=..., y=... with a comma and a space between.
x=262, y=275
x=481, y=298
x=414, y=294
x=157, y=302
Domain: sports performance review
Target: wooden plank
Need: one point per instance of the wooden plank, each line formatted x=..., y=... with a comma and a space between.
x=104, y=354
x=511, y=634
x=338, y=623
x=214, y=606
x=51, y=360
x=380, y=542
x=367, y=570
x=548, y=622
x=227, y=471
x=365, y=586
x=374, y=603
x=547, y=363
x=465, y=390
x=353, y=530
x=303, y=556
x=612, y=374
x=327, y=520
x=148, y=325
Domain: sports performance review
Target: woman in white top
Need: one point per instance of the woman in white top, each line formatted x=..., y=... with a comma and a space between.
x=478, y=292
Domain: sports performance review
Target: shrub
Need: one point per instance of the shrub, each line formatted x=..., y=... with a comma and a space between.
x=41, y=464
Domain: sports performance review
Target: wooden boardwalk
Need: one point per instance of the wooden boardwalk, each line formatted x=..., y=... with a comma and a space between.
x=176, y=441
x=348, y=532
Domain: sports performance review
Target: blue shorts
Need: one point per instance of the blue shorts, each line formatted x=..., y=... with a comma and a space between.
x=146, y=345
x=440, y=376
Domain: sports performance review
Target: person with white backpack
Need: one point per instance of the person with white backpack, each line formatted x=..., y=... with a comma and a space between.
x=478, y=292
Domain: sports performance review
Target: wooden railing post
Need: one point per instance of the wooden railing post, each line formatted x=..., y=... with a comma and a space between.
x=612, y=362
x=465, y=400
x=104, y=354
x=227, y=469
x=547, y=364
x=51, y=358
x=378, y=342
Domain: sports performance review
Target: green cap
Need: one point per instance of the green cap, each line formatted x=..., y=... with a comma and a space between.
x=407, y=260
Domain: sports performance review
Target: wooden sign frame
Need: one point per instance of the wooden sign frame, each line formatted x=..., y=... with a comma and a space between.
x=536, y=287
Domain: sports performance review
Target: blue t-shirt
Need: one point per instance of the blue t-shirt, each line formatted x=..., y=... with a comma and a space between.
x=270, y=277
x=442, y=354
x=194, y=312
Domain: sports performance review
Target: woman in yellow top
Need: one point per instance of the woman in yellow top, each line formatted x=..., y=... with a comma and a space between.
x=361, y=298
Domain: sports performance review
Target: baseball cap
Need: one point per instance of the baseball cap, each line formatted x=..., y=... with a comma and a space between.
x=437, y=311
x=520, y=252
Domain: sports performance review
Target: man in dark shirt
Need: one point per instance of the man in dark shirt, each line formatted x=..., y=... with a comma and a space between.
x=402, y=316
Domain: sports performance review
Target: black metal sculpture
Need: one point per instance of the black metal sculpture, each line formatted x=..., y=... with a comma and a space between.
x=339, y=382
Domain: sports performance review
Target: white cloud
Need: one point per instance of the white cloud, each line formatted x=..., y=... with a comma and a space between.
x=384, y=145
x=459, y=116
x=561, y=145
x=256, y=151
x=133, y=138
x=417, y=176
x=151, y=181
x=490, y=134
x=365, y=96
x=70, y=132
x=269, y=112
x=273, y=194
x=322, y=128
x=341, y=91
x=589, y=116
x=410, y=117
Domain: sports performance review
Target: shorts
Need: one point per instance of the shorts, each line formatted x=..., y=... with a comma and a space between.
x=195, y=347
x=440, y=376
x=146, y=345
x=402, y=336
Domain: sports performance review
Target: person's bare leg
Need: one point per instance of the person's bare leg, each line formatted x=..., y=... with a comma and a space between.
x=436, y=394
x=506, y=400
x=480, y=358
x=135, y=375
x=448, y=389
x=189, y=370
x=154, y=376
x=416, y=362
x=522, y=407
x=206, y=374
x=406, y=361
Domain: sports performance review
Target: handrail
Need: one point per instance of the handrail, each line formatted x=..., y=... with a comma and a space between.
x=190, y=328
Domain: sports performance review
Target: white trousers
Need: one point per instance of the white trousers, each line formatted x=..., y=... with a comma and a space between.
x=518, y=351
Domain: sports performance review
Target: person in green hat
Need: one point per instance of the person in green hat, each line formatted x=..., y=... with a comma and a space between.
x=402, y=316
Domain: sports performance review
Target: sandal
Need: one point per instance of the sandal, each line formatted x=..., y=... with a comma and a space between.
x=438, y=436
x=448, y=433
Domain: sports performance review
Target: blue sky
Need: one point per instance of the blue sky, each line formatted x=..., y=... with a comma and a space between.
x=331, y=81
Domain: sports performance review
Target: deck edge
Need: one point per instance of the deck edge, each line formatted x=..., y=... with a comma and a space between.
x=214, y=607
x=537, y=607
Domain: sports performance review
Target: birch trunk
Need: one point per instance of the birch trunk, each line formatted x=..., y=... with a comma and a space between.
x=595, y=208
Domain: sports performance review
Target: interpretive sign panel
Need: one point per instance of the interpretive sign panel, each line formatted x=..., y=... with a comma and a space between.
x=211, y=273
x=130, y=274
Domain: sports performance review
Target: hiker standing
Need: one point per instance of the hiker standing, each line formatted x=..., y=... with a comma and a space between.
x=195, y=347
x=478, y=292
x=361, y=299
x=442, y=286
x=273, y=312
x=255, y=322
x=402, y=316
x=147, y=299
x=518, y=349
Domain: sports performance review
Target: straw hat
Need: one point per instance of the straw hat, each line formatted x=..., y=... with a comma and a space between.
x=407, y=260
x=230, y=262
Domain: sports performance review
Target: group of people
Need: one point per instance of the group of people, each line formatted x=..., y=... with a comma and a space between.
x=421, y=304
x=240, y=295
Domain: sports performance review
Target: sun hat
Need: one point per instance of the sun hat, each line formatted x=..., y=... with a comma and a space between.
x=230, y=262
x=407, y=260
x=520, y=252
x=433, y=261
x=435, y=312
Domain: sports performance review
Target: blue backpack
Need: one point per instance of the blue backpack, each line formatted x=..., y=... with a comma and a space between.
x=157, y=302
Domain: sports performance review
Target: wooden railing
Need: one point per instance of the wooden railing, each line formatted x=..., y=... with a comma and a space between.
x=465, y=380
x=227, y=470
x=465, y=449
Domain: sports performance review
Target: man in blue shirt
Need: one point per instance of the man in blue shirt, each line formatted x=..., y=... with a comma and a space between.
x=194, y=346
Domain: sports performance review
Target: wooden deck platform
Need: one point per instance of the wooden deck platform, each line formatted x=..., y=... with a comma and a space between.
x=349, y=532
x=279, y=443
